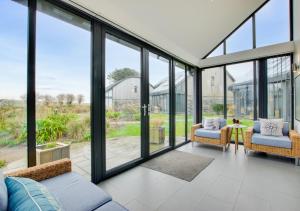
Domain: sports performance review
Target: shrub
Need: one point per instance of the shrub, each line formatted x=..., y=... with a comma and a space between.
x=76, y=130
x=113, y=115
x=52, y=128
x=3, y=163
x=218, y=108
x=87, y=136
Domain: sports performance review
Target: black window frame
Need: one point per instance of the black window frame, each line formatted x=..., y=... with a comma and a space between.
x=253, y=16
x=99, y=29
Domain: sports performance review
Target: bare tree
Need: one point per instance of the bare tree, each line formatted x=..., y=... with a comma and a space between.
x=48, y=99
x=60, y=99
x=80, y=99
x=70, y=99
x=23, y=97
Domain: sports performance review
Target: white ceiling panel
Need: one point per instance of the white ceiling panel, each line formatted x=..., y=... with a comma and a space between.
x=188, y=29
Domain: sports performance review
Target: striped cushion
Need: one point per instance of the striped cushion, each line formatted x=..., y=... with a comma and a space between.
x=27, y=194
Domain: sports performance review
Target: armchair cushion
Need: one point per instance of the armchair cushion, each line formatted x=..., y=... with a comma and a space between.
x=281, y=141
x=216, y=134
x=211, y=124
x=285, y=129
x=222, y=122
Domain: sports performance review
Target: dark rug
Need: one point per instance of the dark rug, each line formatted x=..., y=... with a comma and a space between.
x=182, y=165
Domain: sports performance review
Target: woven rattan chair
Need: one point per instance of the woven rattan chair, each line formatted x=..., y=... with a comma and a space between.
x=293, y=152
x=223, y=140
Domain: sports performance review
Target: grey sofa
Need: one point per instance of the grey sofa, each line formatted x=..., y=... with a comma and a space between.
x=71, y=190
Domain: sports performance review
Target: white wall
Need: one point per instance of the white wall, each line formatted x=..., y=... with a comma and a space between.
x=297, y=41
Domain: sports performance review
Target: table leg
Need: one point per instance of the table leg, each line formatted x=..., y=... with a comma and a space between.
x=236, y=141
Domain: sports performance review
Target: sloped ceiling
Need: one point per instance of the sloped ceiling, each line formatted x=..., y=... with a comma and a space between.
x=188, y=29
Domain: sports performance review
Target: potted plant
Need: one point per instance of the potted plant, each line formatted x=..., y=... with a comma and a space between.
x=52, y=151
x=157, y=131
x=49, y=131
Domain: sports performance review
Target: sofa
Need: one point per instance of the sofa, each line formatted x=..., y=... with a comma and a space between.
x=71, y=190
x=220, y=137
x=287, y=145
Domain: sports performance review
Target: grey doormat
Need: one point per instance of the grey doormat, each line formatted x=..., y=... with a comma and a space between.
x=179, y=164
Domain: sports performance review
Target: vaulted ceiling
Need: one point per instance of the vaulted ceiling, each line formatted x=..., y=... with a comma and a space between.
x=188, y=29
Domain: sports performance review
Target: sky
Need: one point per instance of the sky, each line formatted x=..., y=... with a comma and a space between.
x=63, y=51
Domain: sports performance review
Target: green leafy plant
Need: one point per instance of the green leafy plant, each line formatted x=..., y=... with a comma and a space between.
x=218, y=108
x=3, y=163
x=50, y=145
x=52, y=128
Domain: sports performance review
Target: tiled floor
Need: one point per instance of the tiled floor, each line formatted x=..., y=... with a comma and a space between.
x=230, y=182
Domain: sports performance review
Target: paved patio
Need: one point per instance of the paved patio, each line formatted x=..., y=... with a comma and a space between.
x=118, y=151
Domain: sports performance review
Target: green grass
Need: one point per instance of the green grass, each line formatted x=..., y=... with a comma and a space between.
x=130, y=129
x=133, y=128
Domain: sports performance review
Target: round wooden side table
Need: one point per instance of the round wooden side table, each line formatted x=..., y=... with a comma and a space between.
x=236, y=128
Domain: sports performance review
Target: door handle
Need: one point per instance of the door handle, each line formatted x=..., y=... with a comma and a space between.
x=144, y=107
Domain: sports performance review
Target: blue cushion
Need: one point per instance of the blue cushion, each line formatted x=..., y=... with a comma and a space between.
x=222, y=122
x=111, y=206
x=27, y=194
x=285, y=129
x=70, y=188
x=256, y=126
x=274, y=141
x=3, y=193
x=216, y=134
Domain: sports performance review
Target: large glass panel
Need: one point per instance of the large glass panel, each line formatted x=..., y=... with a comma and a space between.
x=159, y=102
x=240, y=93
x=190, y=101
x=213, y=92
x=123, y=101
x=13, y=80
x=279, y=87
x=272, y=23
x=218, y=51
x=241, y=39
x=180, y=103
x=63, y=71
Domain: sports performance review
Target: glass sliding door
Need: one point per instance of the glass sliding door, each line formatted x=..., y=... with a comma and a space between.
x=159, y=107
x=63, y=72
x=123, y=101
x=190, y=101
x=279, y=87
x=180, y=103
x=13, y=84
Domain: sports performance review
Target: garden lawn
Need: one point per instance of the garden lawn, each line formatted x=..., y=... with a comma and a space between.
x=133, y=128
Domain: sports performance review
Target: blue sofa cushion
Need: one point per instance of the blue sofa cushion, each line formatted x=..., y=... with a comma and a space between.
x=76, y=193
x=222, y=122
x=111, y=206
x=285, y=129
x=216, y=134
x=256, y=126
x=27, y=194
x=3, y=193
x=274, y=141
